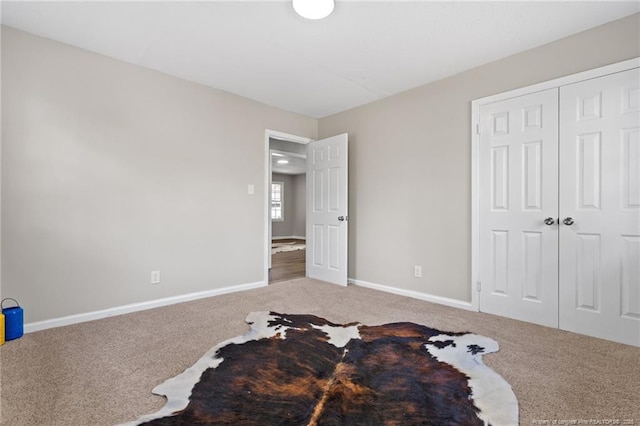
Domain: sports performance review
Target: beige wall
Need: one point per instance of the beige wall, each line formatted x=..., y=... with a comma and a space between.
x=110, y=171
x=300, y=205
x=410, y=162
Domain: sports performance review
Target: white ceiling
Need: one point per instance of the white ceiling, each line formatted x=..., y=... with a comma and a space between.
x=261, y=50
x=296, y=164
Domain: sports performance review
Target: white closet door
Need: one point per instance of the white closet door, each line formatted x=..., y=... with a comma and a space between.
x=600, y=204
x=518, y=191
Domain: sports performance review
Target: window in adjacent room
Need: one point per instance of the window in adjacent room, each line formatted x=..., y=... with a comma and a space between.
x=277, y=201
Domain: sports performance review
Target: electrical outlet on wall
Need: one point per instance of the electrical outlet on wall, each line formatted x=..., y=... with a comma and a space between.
x=417, y=271
x=155, y=277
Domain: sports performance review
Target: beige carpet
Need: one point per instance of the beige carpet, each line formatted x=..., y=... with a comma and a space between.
x=102, y=372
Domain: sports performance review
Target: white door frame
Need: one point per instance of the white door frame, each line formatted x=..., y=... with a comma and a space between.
x=475, y=150
x=272, y=134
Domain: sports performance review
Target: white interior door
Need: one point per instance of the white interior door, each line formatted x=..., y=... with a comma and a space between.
x=518, y=157
x=327, y=209
x=600, y=204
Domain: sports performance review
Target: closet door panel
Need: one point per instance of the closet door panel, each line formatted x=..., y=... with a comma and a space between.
x=600, y=207
x=518, y=191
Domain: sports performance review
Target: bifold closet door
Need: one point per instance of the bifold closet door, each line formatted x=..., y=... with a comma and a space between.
x=518, y=185
x=600, y=207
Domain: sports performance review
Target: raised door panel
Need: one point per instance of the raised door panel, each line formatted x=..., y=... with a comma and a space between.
x=318, y=245
x=317, y=191
x=588, y=273
x=589, y=164
x=631, y=168
x=630, y=301
x=498, y=284
x=500, y=178
x=532, y=176
x=334, y=204
x=533, y=257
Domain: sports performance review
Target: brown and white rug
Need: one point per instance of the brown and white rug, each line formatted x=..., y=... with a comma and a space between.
x=305, y=370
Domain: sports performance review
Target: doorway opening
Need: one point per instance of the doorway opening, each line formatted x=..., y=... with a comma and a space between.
x=285, y=210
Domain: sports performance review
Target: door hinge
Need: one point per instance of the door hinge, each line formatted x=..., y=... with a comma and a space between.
x=478, y=128
x=478, y=286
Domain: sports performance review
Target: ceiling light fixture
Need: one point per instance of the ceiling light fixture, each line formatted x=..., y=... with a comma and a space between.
x=313, y=9
x=275, y=154
x=283, y=162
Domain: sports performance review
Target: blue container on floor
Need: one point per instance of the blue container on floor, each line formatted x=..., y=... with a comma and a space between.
x=13, y=320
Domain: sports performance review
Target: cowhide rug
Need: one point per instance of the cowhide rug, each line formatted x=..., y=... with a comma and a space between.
x=305, y=370
x=286, y=248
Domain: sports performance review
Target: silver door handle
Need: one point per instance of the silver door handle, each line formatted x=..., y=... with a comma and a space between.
x=568, y=221
x=549, y=221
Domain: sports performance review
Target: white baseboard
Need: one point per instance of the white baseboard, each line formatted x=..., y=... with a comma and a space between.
x=135, y=307
x=454, y=303
x=289, y=238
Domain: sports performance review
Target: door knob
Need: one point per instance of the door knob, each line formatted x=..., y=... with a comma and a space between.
x=568, y=221
x=549, y=221
x=341, y=218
